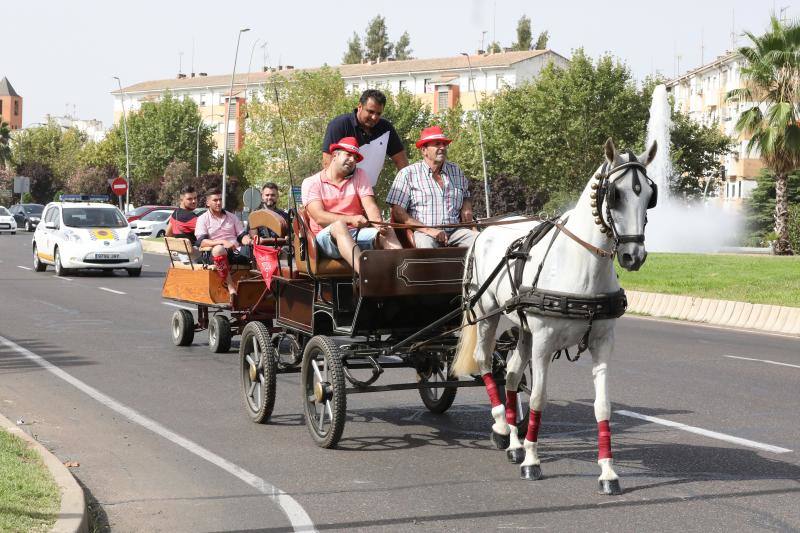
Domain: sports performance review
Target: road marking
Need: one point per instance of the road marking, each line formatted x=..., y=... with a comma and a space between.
x=760, y=360
x=294, y=512
x=24, y=268
x=707, y=432
x=179, y=306
x=110, y=290
x=62, y=277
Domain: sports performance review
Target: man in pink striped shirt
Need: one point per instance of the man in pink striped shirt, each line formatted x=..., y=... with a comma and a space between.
x=337, y=200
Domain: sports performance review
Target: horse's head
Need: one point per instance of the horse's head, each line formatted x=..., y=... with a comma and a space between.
x=624, y=193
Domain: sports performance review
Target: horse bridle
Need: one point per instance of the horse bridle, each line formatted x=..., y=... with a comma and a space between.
x=605, y=192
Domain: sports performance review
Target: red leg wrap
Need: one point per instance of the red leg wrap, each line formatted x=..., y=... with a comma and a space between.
x=511, y=407
x=533, y=426
x=221, y=263
x=603, y=440
x=491, y=389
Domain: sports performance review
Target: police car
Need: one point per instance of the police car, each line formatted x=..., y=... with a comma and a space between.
x=81, y=232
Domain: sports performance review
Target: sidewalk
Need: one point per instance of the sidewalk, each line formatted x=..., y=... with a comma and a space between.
x=72, y=517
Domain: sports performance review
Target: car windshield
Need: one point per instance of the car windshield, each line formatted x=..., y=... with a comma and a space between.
x=34, y=209
x=93, y=217
x=139, y=210
x=4, y=212
x=158, y=216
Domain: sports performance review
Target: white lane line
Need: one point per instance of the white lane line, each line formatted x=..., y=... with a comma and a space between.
x=24, y=268
x=62, y=277
x=760, y=360
x=110, y=290
x=706, y=432
x=179, y=306
x=294, y=512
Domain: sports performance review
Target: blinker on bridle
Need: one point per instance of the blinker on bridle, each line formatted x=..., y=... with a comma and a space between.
x=605, y=191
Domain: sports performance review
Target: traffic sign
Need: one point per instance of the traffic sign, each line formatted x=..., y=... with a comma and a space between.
x=252, y=199
x=119, y=186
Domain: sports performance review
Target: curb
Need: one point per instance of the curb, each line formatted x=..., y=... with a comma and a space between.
x=737, y=315
x=72, y=517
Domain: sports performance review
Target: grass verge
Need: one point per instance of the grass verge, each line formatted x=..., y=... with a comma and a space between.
x=29, y=497
x=745, y=278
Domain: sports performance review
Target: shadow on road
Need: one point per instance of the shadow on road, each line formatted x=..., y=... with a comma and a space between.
x=11, y=361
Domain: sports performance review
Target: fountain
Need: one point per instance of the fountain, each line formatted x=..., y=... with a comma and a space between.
x=676, y=225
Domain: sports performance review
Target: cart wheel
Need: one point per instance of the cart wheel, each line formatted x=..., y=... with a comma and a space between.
x=324, y=398
x=219, y=334
x=437, y=400
x=258, y=369
x=182, y=327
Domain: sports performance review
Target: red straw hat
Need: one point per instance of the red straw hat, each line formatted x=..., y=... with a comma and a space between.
x=434, y=133
x=348, y=144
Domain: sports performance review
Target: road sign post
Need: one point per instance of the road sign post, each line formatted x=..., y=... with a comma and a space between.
x=119, y=186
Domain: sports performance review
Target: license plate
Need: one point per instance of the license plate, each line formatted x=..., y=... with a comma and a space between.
x=106, y=256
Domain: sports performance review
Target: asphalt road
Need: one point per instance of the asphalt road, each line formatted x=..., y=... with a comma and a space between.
x=164, y=443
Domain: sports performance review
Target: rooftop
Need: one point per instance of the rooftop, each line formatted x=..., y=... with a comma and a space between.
x=6, y=89
x=722, y=59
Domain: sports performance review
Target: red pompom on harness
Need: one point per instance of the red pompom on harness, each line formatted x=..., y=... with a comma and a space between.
x=511, y=407
x=221, y=263
x=491, y=389
x=533, y=426
x=603, y=440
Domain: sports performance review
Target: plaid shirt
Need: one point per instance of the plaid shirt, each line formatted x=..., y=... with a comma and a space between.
x=415, y=190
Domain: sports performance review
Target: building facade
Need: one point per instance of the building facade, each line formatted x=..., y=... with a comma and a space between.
x=10, y=105
x=92, y=128
x=442, y=83
x=701, y=94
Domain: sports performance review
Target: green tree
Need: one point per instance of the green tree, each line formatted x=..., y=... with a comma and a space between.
x=5, y=145
x=494, y=48
x=696, y=152
x=402, y=48
x=772, y=76
x=524, y=35
x=50, y=155
x=541, y=41
x=355, y=51
x=760, y=207
x=376, y=42
x=90, y=180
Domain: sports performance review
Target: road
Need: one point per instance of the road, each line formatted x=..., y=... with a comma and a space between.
x=164, y=444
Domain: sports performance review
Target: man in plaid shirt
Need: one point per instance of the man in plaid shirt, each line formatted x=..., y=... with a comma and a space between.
x=432, y=192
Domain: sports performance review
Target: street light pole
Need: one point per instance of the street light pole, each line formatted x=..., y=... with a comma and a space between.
x=227, y=118
x=127, y=151
x=480, y=135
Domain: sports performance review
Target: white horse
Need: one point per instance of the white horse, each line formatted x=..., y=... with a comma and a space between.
x=610, y=216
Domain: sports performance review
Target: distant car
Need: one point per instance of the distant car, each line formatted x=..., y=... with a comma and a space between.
x=27, y=215
x=7, y=222
x=153, y=224
x=142, y=210
x=83, y=235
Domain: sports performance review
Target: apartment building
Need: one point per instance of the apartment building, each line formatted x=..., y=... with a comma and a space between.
x=10, y=105
x=441, y=82
x=701, y=93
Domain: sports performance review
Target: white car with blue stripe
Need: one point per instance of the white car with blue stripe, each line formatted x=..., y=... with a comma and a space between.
x=81, y=232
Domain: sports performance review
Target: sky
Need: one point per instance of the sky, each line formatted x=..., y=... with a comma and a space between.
x=61, y=56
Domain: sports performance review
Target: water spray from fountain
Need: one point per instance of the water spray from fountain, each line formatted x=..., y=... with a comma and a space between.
x=676, y=225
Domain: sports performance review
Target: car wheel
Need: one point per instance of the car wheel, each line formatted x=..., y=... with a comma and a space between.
x=161, y=234
x=134, y=272
x=38, y=266
x=13, y=233
x=60, y=270
x=28, y=226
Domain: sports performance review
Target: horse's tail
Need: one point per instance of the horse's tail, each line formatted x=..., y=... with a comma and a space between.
x=464, y=363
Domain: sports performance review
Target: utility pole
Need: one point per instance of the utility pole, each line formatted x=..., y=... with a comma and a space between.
x=228, y=119
x=480, y=136
x=127, y=152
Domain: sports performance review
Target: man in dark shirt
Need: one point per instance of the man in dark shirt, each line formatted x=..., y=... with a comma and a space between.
x=182, y=221
x=269, y=200
x=376, y=136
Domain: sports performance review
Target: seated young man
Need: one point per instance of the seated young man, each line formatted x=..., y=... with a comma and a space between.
x=337, y=198
x=225, y=235
x=182, y=221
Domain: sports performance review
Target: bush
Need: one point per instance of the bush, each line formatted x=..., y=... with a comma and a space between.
x=794, y=227
x=90, y=180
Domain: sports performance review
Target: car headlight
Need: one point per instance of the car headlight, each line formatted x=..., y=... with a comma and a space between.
x=132, y=237
x=72, y=236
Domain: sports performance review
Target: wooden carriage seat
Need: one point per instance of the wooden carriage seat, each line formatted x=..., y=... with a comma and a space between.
x=405, y=236
x=322, y=267
x=184, y=246
x=264, y=218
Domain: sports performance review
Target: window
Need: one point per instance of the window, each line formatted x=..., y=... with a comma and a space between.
x=16, y=108
x=401, y=86
x=203, y=99
x=427, y=86
x=220, y=127
x=444, y=93
x=52, y=217
x=500, y=82
x=231, y=140
x=222, y=98
x=1, y=107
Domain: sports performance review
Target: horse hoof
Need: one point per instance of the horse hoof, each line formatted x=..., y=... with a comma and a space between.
x=501, y=442
x=609, y=487
x=515, y=455
x=531, y=472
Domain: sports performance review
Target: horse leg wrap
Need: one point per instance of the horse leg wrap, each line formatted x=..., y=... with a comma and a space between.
x=491, y=389
x=511, y=407
x=531, y=467
x=533, y=426
x=221, y=264
x=603, y=440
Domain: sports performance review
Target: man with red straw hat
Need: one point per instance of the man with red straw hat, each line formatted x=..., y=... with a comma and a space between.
x=340, y=202
x=433, y=192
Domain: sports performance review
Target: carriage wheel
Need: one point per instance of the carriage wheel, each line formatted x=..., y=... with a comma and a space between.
x=437, y=400
x=182, y=327
x=324, y=398
x=219, y=334
x=258, y=369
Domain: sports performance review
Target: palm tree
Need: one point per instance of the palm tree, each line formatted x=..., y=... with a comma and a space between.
x=772, y=76
x=5, y=147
